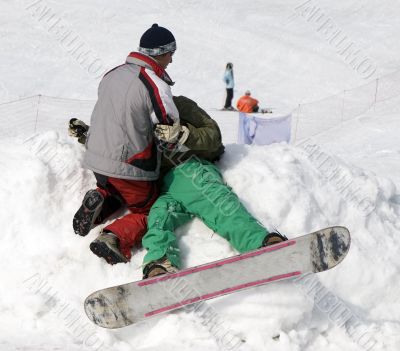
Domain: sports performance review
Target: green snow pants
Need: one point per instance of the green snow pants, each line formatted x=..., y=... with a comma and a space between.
x=196, y=188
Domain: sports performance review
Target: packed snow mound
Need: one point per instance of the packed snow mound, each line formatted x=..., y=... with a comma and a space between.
x=285, y=187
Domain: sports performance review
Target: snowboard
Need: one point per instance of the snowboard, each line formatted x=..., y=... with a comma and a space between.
x=122, y=305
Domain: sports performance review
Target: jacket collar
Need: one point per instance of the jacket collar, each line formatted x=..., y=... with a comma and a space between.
x=148, y=62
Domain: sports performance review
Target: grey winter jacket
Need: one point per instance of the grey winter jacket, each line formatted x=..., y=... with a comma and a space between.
x=131, y=99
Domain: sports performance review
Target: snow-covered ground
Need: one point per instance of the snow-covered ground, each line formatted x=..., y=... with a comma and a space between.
x=349, y=175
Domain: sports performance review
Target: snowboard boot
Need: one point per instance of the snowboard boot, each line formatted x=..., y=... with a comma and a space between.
x=230, y=108
x=78, y=129
x=86, y=216
x=107, y=246
x=158, y=267
x=266, y=110
x=273, y=238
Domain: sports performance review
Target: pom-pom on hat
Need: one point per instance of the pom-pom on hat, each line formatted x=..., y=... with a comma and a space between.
x=157, y=41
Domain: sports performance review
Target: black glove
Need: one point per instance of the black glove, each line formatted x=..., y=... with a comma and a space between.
x=78, y=129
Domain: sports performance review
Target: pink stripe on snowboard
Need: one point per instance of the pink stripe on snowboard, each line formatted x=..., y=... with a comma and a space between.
x=222, y=292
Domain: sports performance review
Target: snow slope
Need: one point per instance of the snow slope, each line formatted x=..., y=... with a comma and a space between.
x=276, y=54
x=348, y=175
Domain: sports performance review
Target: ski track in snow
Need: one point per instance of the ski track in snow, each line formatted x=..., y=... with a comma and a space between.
x=47, y=270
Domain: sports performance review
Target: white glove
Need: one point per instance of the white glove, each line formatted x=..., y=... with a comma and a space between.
x=172, y=134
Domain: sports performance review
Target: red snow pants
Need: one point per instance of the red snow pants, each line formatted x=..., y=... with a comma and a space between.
x=138, y=197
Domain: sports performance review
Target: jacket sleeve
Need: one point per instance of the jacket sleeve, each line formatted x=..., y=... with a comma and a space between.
x=239, y=104
x=226, y=78
x=204, y=133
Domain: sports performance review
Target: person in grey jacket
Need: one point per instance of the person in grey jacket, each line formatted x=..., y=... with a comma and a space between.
x=121, y=149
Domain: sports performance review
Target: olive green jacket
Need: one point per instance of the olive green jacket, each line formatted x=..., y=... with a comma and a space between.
x=204, y=140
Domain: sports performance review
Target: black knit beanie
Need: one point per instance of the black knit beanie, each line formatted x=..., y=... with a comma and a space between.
x=157, y=41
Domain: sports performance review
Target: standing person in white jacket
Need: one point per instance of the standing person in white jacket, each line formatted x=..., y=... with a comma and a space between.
x=121, y=149
x=230, y=84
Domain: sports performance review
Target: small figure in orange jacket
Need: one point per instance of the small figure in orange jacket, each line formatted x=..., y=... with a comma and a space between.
x=247, y=104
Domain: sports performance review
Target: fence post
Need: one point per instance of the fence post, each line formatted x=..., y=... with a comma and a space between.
x=376, y=93
x=297, y=123
x=344, y=94
x=37, y=112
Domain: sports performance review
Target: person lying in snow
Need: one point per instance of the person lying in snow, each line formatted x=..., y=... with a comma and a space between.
x=191, y=186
